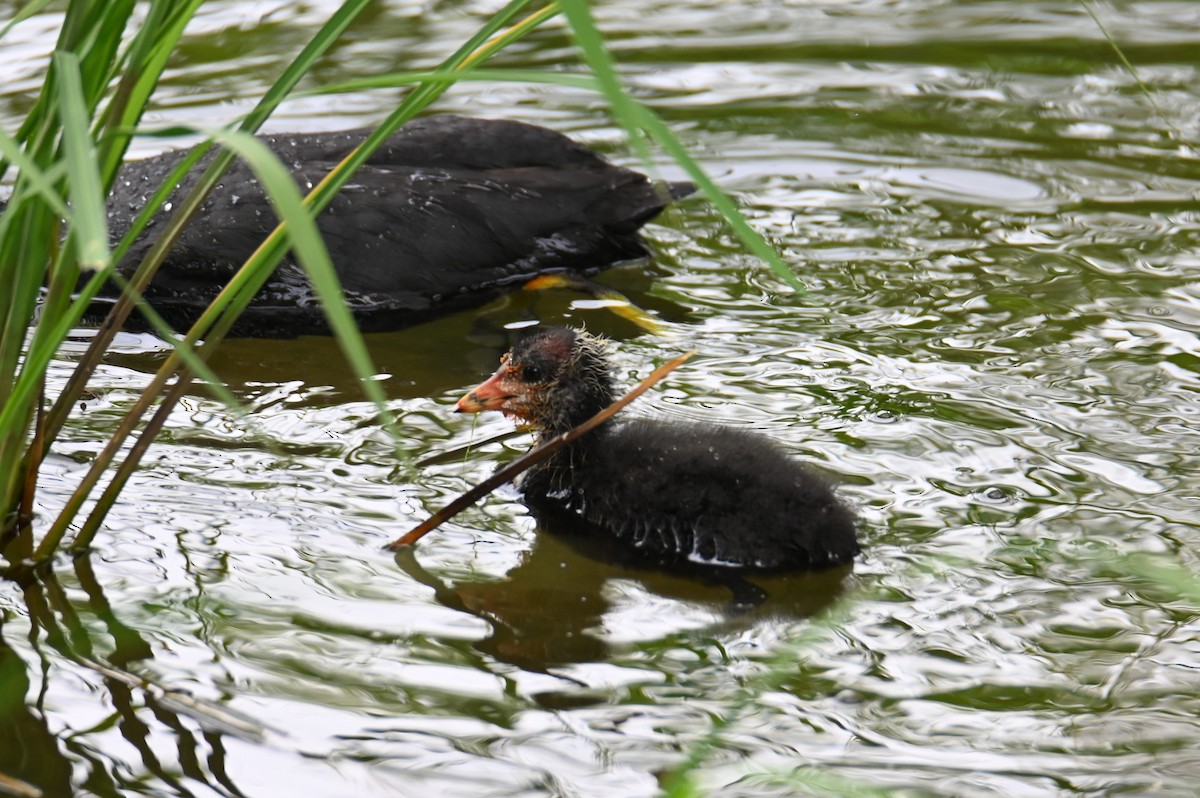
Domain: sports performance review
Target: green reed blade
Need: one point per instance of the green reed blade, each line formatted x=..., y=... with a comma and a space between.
x=89, y=228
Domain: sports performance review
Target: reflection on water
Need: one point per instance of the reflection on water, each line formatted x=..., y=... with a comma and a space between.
x=997, y=359
x=546, y=611
x=29, y=750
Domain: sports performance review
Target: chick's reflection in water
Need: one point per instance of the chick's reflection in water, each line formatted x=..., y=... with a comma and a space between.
x=551, y=609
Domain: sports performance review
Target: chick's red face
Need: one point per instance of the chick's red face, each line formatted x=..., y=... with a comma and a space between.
x=516, y=389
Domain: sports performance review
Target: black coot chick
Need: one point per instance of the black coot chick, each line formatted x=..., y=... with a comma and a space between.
x=681, y=494
x=446, y=213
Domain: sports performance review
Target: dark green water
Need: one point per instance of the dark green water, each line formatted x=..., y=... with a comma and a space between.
x=998, y=359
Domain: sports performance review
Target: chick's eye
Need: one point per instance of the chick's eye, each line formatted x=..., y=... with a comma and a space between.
x=532, y=373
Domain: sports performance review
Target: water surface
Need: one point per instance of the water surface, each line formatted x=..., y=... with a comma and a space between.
x=997, y=358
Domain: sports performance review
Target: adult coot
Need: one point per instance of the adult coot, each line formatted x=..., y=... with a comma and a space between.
x=443, y=215
x=677, y=493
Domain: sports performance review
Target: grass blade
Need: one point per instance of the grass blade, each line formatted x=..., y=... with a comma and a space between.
x=89, y=228
x=24, y=13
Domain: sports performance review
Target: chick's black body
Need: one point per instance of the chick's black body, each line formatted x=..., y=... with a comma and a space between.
x=445, y=213
x=677, y=493
x=698, y=494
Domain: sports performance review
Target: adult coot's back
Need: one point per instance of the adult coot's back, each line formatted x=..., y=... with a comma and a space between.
x=445, y=213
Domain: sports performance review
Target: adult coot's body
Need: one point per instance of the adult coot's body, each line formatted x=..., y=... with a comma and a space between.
x=677, y=493
x=445, y=213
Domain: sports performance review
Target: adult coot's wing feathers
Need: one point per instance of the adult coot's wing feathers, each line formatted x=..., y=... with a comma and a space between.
x=447, y=208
